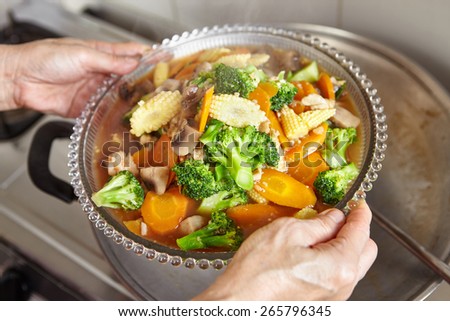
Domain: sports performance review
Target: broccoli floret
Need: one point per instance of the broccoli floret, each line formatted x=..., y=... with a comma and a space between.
x=336, y=143
x=231, y=80
x=228, y=80
x=229, y=194
x=223, y=200
x=223, y=178
x=196, y=179
x=220, y=232
x=122, y=191
x=240, y=150
x=332, y=184
x=284, y=96
x=212, y=129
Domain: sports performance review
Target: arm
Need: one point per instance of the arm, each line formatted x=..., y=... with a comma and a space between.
x=290, y=259
x=59, y=75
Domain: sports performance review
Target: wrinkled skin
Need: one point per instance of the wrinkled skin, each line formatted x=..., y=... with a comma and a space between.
x=59, y=75
x=317, y=259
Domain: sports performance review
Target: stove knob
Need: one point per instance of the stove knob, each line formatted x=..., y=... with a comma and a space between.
x=14, y=286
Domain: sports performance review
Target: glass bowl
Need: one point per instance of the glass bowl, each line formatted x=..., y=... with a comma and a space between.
x=83, y=140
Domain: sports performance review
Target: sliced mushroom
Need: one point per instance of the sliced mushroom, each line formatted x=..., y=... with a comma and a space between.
x=198, y=154
x=287, y=60
x=169, y=85
x=191, y=96
x=186, y=141
x=203, y=67
x=192, y=224
x=343, y=118
x=119, y=162
x=156, y=177
x=134, y=92
x=147, y=139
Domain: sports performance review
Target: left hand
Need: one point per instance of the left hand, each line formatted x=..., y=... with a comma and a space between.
x=59, y=75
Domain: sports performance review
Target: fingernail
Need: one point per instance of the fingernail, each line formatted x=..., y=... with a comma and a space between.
x=336, y=215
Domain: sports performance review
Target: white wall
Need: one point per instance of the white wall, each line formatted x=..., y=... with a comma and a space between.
x=419, y=29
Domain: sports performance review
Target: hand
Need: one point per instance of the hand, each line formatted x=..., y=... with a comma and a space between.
x=290, y=259
x=59, y=75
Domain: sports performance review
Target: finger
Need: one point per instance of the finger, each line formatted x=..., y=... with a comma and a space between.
x=100, y=62
x=368, y=256
x=356, y=231
x=116, y=48
x=120, y=48
x=320, y=229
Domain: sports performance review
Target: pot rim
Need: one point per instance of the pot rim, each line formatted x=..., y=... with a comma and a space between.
x=217, y=260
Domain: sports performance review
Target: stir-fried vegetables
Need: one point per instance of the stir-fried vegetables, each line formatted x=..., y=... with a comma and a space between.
x=261, y=140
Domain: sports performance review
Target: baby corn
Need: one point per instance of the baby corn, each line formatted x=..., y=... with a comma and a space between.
x=235, y=61
x=256, y=197
x=161, y=73
x=213, y=54
x=297, y=126
x=155, y=112
x=293, y=126
x=258, y=59
x=306, y=213
x=236, y=111
x=314, y=118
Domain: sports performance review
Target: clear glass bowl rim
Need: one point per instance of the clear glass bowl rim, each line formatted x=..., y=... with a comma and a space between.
x=154, y=251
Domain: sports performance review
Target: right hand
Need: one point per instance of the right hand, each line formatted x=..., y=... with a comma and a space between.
x=290, y=259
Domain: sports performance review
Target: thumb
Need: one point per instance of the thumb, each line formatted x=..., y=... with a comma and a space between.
x=320, y=229
x=101, y=62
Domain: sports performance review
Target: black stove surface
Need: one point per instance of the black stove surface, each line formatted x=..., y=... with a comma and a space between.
x=22, y=279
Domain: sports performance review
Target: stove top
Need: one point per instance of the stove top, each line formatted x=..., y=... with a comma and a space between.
x=52, y=233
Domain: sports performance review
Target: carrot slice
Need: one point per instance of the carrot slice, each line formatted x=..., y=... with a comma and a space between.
x=270, y=88
x=297, y=107
x=263, y=100
x=315, y=139
x=134, y=225
x=285, y=190
x=261, y=97
x=177, y=65
x=326, y=86
x=306, y=169
x=187, y=71
x=250, y=217
x=163, y=213
x=204, y=111
x=160, y=154
x=304, y=89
